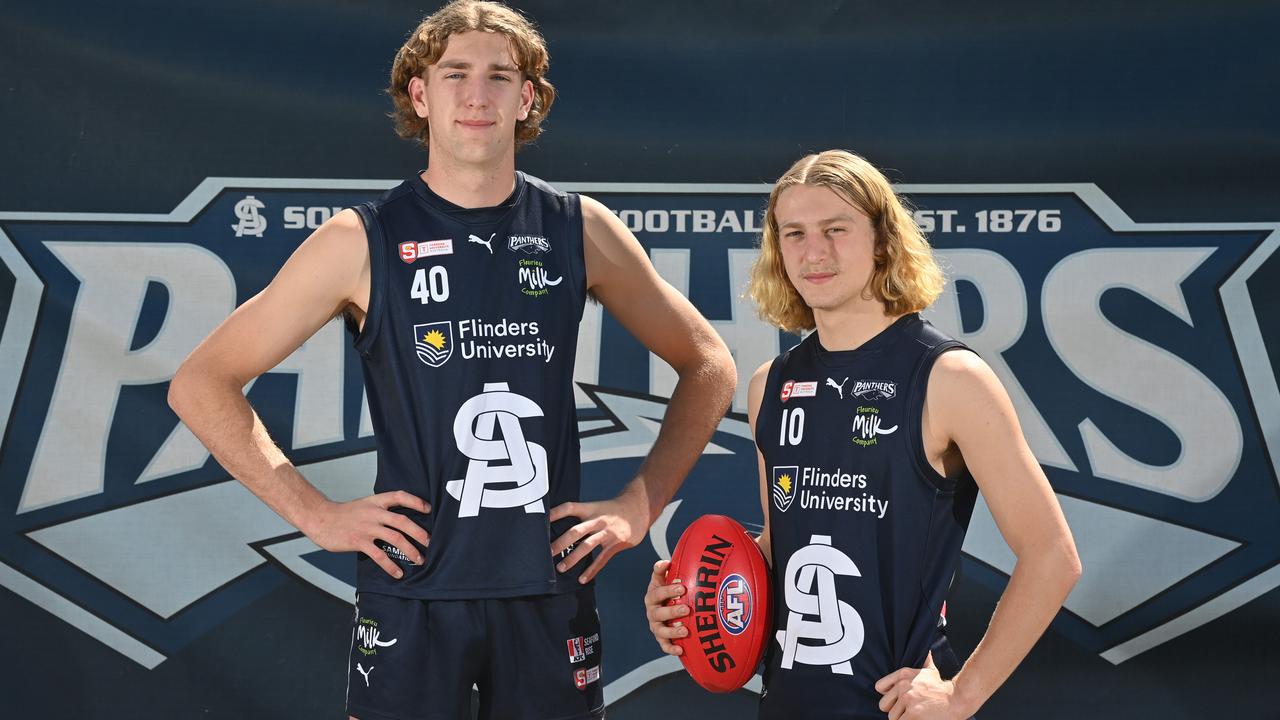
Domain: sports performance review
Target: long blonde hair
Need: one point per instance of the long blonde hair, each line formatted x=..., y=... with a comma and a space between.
x=906, y=277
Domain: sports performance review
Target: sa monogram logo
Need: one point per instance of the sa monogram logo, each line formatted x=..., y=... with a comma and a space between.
x=811, y=590
x=498, y=462
x=248, y=220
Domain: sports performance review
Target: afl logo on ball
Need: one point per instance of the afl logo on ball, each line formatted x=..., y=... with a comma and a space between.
x=734, y=604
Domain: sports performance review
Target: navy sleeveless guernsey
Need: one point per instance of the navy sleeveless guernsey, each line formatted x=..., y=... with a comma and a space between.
x=468, y=351
x=865, y=533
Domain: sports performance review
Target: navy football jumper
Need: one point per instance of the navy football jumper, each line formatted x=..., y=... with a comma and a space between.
x=865, y=533
x=468, y=351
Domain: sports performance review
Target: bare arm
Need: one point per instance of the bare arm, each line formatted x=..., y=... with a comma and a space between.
x=620, y=275
x=327, y=274
x=966, y=406
x=656, y=596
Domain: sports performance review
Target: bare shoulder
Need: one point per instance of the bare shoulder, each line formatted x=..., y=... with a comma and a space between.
x=343, y=234
x=614, y=257
x=962, y=375
x=334, y=259
x=594, y=211
x=602, y=230
x=967, y=401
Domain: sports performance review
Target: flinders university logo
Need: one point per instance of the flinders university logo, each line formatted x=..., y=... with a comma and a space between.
x=783, y=488
x=433, y=342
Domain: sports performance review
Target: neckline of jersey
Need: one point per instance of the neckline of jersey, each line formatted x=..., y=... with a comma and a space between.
x=471, y=217
x=879, y=342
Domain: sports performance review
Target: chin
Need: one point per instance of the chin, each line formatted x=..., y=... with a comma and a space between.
x=477, y=154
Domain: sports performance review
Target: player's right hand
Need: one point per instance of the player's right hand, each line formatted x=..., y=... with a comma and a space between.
x=358, y=524
x=660, y=613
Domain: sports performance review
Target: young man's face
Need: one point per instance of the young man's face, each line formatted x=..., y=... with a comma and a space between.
x=472, y=97
x=827, y=247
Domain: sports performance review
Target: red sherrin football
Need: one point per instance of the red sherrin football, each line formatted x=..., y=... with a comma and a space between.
x=726, y=586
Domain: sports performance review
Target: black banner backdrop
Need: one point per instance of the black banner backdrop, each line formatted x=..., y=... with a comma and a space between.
x=1099, y=180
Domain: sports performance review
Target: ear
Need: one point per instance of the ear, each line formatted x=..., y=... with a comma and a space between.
x=526, y=100
x=418, y=95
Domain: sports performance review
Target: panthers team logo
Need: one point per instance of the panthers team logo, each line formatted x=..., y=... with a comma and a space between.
x=874, y=390
x=783, y=487
x=433, y=342
x=529, y=244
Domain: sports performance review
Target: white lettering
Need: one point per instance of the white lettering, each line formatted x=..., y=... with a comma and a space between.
x=97, y=361
x=1140, y=374
x=1004, y=317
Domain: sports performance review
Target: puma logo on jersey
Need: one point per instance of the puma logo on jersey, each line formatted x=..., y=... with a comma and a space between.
x=488, y=244
x=365, y=673
x=838, y=388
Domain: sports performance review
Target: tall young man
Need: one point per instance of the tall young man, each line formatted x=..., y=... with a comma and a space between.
x=874, y=435
x=464, y=287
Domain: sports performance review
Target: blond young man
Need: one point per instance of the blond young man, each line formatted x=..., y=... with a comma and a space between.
x=463, y=288
x=875, y=434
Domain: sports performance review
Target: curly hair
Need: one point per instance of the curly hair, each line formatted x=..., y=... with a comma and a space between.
x=906, y=277
x=427, y=42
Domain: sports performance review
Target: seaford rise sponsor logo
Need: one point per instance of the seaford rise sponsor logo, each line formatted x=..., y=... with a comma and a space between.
x=1132, y=353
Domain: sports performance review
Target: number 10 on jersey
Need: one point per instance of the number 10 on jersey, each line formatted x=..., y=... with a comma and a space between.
x=791, y=430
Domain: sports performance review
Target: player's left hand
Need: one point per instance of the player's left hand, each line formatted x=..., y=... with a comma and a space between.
x=919, y=694
x=611, y=525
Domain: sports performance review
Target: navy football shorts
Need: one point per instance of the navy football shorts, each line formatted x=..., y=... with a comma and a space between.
x=531, y=658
